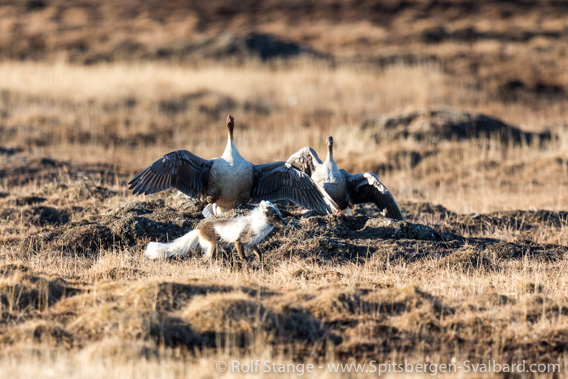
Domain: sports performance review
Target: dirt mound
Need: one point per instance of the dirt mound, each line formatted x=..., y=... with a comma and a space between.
x=26, y=169
x=174, y=296
x=518, y=220
x=20, y=169
x=10, y=150
x=222, y=45
x=387, y=228
x=241, y=315
x=354, y=227
x=526, y=224
x=28, y=293
x=263, y=46
x=331, y=304
x=434, y=126
x=173, y=331
x=198, y=317
x=352, y=238
x=130, y=225
x=41, y=332
x=29, y=200
x=205, y=315
x=414, y=210
x=40, y=216
x=327, y=239
x=445, y=219
x=319, y=238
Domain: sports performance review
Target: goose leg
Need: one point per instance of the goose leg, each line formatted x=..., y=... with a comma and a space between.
x=213, y=194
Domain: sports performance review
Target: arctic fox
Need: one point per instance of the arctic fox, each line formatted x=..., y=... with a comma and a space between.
x=244, y=231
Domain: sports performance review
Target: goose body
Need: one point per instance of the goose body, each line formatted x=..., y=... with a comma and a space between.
x=328, y=176
x=231, y=181
x=344, y=188
x=232, y=177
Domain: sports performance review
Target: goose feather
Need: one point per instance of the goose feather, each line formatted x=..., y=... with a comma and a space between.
x=367, y=188
x=231, y=181
x=306, y=159
x=345, y=189
x=179, y=169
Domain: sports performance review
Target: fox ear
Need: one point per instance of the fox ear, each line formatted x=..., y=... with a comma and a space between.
x=264, y=204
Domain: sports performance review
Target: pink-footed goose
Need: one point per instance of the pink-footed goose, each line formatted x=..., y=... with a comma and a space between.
x=231, y=181
x=344, y=188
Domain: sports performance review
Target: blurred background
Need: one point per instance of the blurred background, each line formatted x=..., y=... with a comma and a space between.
x=439, y=97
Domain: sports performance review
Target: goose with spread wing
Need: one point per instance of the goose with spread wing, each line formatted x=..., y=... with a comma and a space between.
x=344, y=188
x=231, y=181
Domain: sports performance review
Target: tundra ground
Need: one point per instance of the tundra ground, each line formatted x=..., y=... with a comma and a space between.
x=471, y=143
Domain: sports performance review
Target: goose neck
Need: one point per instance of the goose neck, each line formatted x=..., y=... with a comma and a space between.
x=329, y=157
x=230, y=150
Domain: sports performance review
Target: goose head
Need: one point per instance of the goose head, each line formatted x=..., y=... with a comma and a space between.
x=329, y=147
x=230, y=126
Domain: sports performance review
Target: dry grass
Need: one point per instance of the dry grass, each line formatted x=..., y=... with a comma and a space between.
x=77, y=299
x=110, y=113
x=424, y=308
x=112, y=308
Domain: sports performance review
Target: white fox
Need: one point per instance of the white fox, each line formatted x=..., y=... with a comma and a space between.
x=244, y=231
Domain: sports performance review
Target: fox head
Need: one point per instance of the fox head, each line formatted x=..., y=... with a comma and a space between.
x=273, y=215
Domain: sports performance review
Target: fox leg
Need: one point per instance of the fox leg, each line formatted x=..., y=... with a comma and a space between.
x=240, y=251
x=214, y=251
x=209, y=249
x=257, y=252
x=208, y=240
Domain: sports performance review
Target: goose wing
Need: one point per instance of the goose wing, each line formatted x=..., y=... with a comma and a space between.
x=367, y=188
x=180, y=169
x=306, y=159
x=282, y=181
